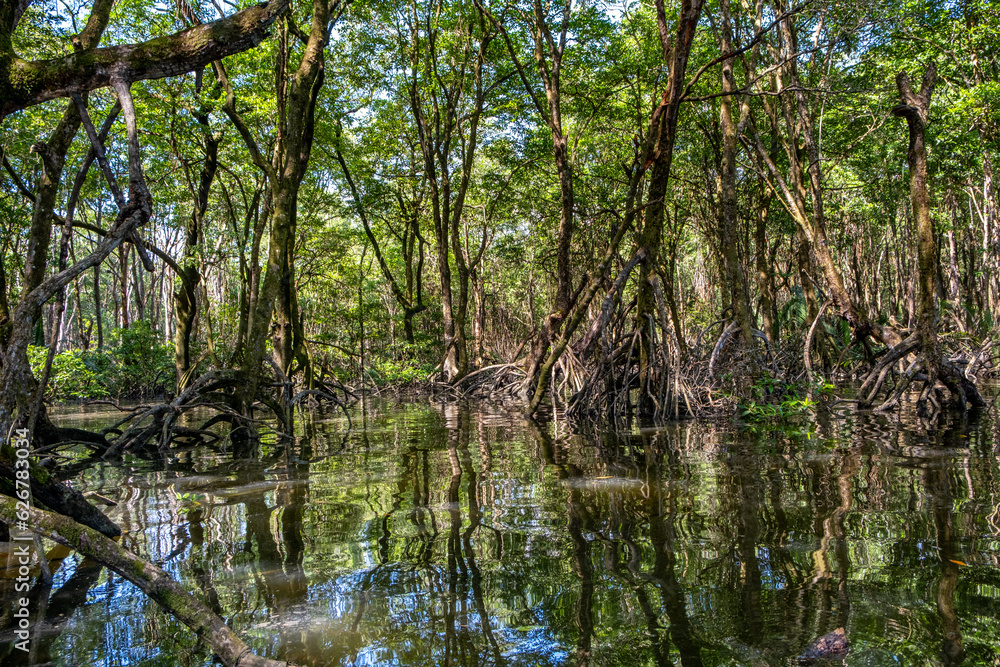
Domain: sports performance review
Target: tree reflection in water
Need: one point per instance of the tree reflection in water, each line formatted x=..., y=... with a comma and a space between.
x=450, y=535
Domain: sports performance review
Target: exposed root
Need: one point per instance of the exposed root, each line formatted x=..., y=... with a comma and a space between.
x=876, y=376
x=807, y=348
x=945, y=375
x=721, y=343
x=157, y=422
x=893, y=400
x=499, y=380
x=148, y=424
x=609, y=389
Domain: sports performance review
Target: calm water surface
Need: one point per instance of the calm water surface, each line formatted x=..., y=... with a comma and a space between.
x=462, y=535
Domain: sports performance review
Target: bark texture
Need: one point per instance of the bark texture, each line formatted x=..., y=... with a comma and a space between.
x=651, y=238
x=736, y=282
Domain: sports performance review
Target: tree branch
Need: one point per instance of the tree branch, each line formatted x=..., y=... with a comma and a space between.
x=732, y=54
x=27, y=83
x=21, y=187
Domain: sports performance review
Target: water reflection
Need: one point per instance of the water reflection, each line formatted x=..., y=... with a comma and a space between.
x=457, y=535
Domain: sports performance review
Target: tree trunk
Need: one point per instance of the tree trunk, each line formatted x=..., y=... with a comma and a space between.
x=25, y=83
x=735, y=280
x=298, y=90
x=98, y=312
x=153, y=581
x=665, y=122
x=123, y=282
x=185, y=299
x=411, y=236
x=766, y=261
x=56, y=496
x=447, y=117
x=17, y=384
x=802, y=190
x=914, y=107
x=549, y=57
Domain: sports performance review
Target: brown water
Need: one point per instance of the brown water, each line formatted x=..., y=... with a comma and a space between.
x=462, y=535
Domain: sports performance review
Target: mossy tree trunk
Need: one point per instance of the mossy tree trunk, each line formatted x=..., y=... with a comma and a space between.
x=26, y=83
x=17, y=384
x=185, y=297
x=298, y=88
x=915, y=107
x=735, y=282
x=149, y=578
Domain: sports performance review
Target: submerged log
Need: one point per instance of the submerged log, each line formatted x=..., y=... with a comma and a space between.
x=153, y=581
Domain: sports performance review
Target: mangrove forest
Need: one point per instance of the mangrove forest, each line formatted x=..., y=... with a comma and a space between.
x=499, y=333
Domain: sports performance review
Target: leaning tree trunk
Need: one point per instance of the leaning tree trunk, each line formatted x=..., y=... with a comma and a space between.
x=800, y=187
x=25, y=83
x=17, y=384
x=656, y=150
x=150, y=579
x=58, y=497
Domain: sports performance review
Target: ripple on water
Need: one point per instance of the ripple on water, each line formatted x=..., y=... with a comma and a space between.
x=461, y=534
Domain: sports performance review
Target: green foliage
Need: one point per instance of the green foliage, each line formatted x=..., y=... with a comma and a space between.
x=403, y=370
x=136, y=365
x=791, y=407
x=611, y=78
x=795, y=313
x=775, y=399
x=70, y=376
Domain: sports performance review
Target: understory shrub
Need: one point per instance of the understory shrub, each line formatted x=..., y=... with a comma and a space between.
x=135, y=365
x=70, y=376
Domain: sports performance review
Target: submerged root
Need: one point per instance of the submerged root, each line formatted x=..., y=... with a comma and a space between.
x=157, y=422
x=215, y=390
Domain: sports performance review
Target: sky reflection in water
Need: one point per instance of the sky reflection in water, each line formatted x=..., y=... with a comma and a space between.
x=460, y=535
